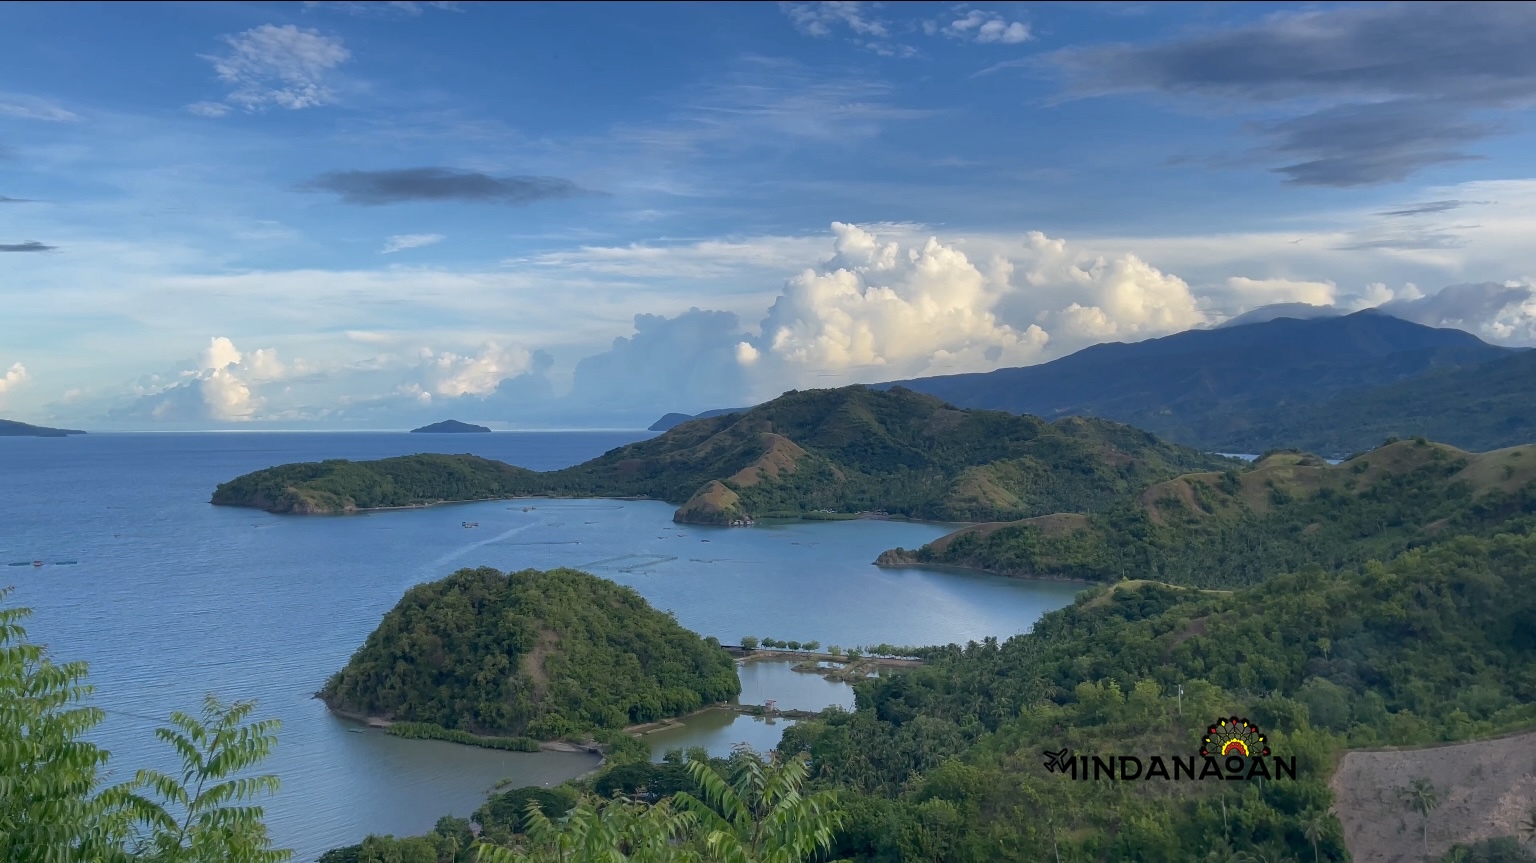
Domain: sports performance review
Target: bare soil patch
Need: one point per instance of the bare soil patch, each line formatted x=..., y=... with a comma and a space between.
x=1484, y=788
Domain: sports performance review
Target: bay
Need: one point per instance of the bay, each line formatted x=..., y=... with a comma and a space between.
x=170, y=598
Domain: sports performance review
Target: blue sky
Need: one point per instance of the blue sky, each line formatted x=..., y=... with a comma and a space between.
x=544, y=215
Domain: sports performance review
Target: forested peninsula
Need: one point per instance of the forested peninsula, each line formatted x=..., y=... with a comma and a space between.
x=1232, y=528
x=848, y=450
x=529, y=654
x=942, y=764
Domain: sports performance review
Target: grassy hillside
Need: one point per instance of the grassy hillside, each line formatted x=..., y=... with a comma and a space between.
x=1247, y=388
x=1219, y=529
x=542, y=654
x=851, y=449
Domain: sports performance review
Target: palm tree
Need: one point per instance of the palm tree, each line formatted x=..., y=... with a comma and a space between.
x=1421, y=797
x=1314, y=826
x=619, y=830
x=756, y=813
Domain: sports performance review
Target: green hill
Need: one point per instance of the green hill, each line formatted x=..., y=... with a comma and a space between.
x=339, y=485
x=1330, y=384
x=943, y=763
x=849, y=450
x=540, y=654
x=1219, y=529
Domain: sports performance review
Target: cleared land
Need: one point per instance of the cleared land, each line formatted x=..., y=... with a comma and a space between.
x=1485, y=789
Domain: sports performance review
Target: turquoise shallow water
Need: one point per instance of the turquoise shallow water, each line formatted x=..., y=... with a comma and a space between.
x=172, y=598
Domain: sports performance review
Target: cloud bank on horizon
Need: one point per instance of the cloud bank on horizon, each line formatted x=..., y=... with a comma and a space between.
x=364, y=214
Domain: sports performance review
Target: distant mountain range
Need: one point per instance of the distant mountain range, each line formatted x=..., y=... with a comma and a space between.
x=671, y=421
x=1332, y=384
x=11, y=428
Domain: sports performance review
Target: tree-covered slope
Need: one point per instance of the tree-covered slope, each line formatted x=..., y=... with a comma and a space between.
x=1479, y=407
x=541, y=654
x=339, y=485
x=943, y=763
x=1243, y=388
x=850, y=449
x=1286, y=511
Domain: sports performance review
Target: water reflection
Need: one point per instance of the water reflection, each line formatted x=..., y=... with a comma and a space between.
x=761, y=681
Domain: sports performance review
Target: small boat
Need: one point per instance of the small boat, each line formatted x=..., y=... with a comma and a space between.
x=357, y=730
x=37, y=563
x=470, y=523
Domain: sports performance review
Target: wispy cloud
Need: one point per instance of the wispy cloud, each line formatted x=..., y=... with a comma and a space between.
x=282, y=67
x=29, y=246
x=7, y=200
x=981, y=26
x=383, y=9
x=208, y=109
x=774, y=103
x=33, y=108
x=1429, y=207
x=373, y=188
x=822, y=20
x=401, y=242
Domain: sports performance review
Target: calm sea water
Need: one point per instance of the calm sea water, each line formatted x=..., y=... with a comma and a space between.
x=171, y=598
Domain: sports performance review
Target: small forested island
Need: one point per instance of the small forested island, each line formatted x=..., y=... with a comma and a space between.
x=530, y=654
x=848, y=450
x=450, y=427
x=1231, y=528
x=12, y=428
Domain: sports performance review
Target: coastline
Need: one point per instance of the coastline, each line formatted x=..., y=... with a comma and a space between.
x=960, y=567
x=869, y=515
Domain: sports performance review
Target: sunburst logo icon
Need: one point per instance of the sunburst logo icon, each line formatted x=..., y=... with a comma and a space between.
x=1234, y=736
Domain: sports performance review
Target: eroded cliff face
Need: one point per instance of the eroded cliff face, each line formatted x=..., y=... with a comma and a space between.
x=897, y=557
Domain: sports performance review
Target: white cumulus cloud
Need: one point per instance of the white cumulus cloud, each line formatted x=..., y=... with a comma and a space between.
x=903, y=311
x=282, y=67
x=444, y=373
x=1107, y=296
x=987, y=28
x=14, y=377
x=401, y=242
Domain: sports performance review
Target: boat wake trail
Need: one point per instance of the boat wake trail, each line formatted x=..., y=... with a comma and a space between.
x=437, y=566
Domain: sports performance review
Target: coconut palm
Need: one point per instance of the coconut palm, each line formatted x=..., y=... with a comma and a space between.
x=620, y=830
x=756, y=813
x=1421, y=797
x=1314, y=826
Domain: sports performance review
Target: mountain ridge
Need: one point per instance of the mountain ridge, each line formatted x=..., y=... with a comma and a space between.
x=849, y=450
x=1203, y=388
